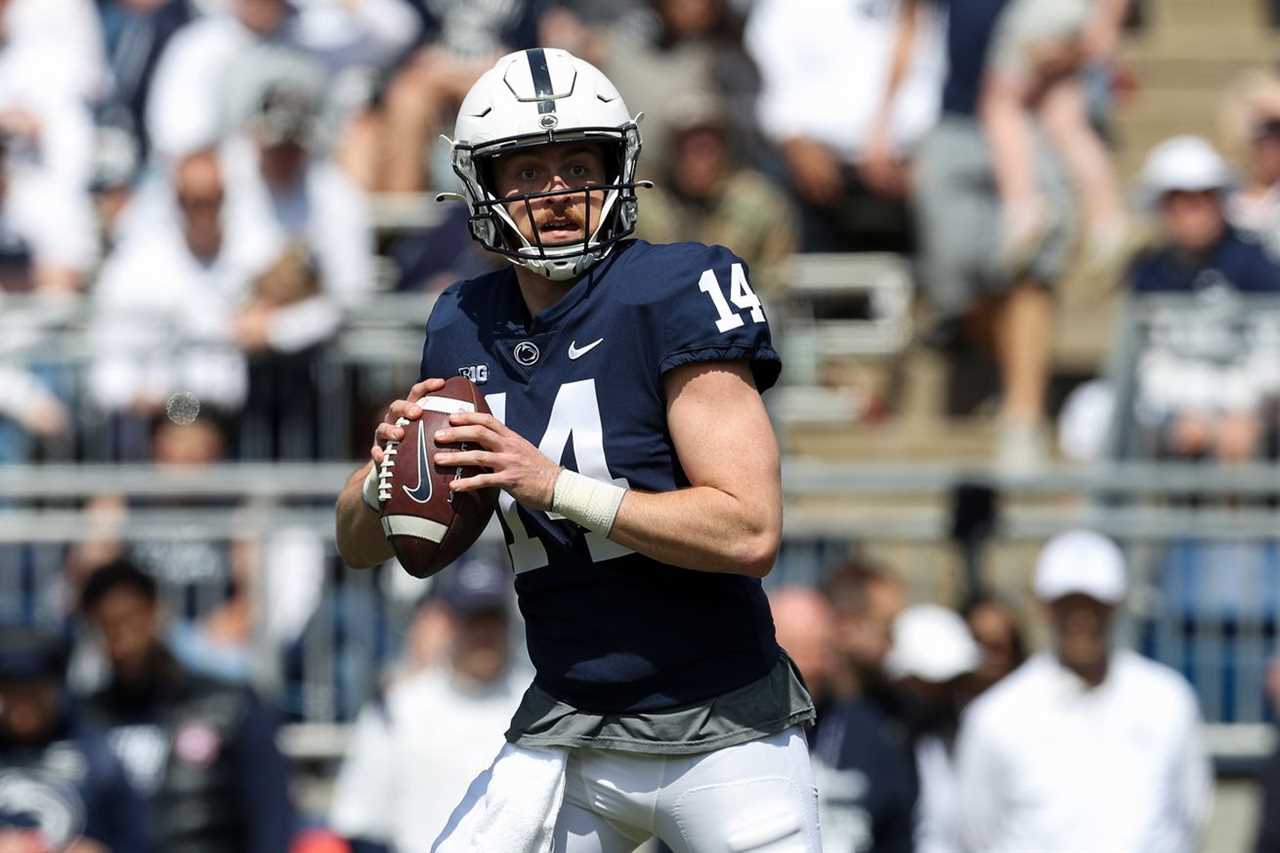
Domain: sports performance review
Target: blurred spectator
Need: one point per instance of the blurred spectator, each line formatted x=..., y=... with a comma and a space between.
x=862, y=766
x=671, y=46
x=202, y=752
x=1036, y=78
x=164, y=307
x=707, y=196
x=213, y=587
x=51, y=66
x=61, y=789
x=866, y=599
x=827, y=129
x=285, y=191
x=459, y=40
x=1251, y=127
x=1085, y=747
x=933, y=661
x=32, y=409
x=996, y=629
x=1207, y=373
x=432, y=258
x=283, y=327
x=414, y=751
x=192, y=103
x=135, y=34
x=955, y=203
x=116, y=168
x=298, y=208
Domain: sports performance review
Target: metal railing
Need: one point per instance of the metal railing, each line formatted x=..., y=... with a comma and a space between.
x=902, y=508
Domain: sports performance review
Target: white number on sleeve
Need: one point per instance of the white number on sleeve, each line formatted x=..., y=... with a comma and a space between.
x=575, y=416
x=740, y=293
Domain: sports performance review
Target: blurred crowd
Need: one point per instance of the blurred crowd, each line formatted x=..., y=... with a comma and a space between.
x=207, y=174
x=939, y=731
x=207, y=171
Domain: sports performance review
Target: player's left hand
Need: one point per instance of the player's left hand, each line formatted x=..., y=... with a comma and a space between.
x=516, y=466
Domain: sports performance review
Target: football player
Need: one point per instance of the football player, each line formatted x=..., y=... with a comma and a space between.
x=641, y=498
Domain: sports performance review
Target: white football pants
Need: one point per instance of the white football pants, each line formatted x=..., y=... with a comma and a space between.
x=756, y=797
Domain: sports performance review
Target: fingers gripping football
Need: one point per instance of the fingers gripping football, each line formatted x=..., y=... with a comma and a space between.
x=406, y=408
x=515, y=465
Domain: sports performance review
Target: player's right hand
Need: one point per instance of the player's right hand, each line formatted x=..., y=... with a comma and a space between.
x=406, y=408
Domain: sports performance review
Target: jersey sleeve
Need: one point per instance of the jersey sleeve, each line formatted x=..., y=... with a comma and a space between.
x=712, y=314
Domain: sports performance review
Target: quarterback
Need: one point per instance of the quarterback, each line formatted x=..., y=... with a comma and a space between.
x=640, y=493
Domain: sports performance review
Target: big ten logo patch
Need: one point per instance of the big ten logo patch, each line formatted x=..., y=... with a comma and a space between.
x=477, y=373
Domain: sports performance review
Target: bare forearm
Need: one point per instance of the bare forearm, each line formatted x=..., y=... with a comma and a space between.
x=361, y=541
x=700, y=528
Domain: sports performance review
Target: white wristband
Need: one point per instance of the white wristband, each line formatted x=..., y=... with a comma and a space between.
x=591, y=503
x=370, y=490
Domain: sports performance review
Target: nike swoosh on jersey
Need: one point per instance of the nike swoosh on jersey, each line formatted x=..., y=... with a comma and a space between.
x=424, y=475
x=575, y=353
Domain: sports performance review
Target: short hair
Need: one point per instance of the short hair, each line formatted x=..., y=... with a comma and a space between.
x=846, y=585
x=118, y=574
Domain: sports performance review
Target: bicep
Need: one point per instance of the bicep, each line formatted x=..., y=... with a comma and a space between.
x=722, y=434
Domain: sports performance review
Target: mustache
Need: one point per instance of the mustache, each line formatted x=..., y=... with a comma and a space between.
x=551, y=218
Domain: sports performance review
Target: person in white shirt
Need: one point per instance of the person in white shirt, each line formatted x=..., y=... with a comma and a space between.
x=164, y=307
x=932, y=661
x=190, y=105
x=51, y=65
x=284, y=190
x=808, y=53
x=413, y=753
x=1084, y=747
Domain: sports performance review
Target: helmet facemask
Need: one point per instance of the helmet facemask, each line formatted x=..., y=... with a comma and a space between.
x=492, y=225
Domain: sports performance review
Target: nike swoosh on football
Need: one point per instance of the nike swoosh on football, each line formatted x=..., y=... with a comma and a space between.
x=421, y=493
x=576, y=353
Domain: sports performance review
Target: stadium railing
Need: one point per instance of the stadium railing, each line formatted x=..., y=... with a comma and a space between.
x=830, y=507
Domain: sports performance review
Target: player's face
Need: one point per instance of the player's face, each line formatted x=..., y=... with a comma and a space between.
x=556, y=219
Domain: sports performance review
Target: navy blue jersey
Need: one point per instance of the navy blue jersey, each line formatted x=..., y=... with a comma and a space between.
x=610, y=630
x=68, y=786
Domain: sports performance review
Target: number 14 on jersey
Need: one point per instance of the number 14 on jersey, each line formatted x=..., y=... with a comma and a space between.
x=740, y=294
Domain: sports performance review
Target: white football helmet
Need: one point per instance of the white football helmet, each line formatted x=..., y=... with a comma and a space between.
x=537, y=97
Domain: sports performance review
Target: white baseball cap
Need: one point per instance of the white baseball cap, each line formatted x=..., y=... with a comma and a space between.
x=1183, y=163
x=931, y=643
x=1084, y=562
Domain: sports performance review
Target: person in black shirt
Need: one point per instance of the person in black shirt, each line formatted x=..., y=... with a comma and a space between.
x=866, y=785
x=201, y=751
x=60, y=786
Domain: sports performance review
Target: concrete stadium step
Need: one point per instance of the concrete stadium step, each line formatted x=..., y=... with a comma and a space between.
x=897, y=438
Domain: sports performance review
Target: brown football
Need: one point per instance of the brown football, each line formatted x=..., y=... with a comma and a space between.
x=429, y=526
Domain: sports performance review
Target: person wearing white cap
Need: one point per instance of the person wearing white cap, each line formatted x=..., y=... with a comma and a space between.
x=933, y=659
x=1084, y=747
x=1185, y=183
x=1203, y=383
